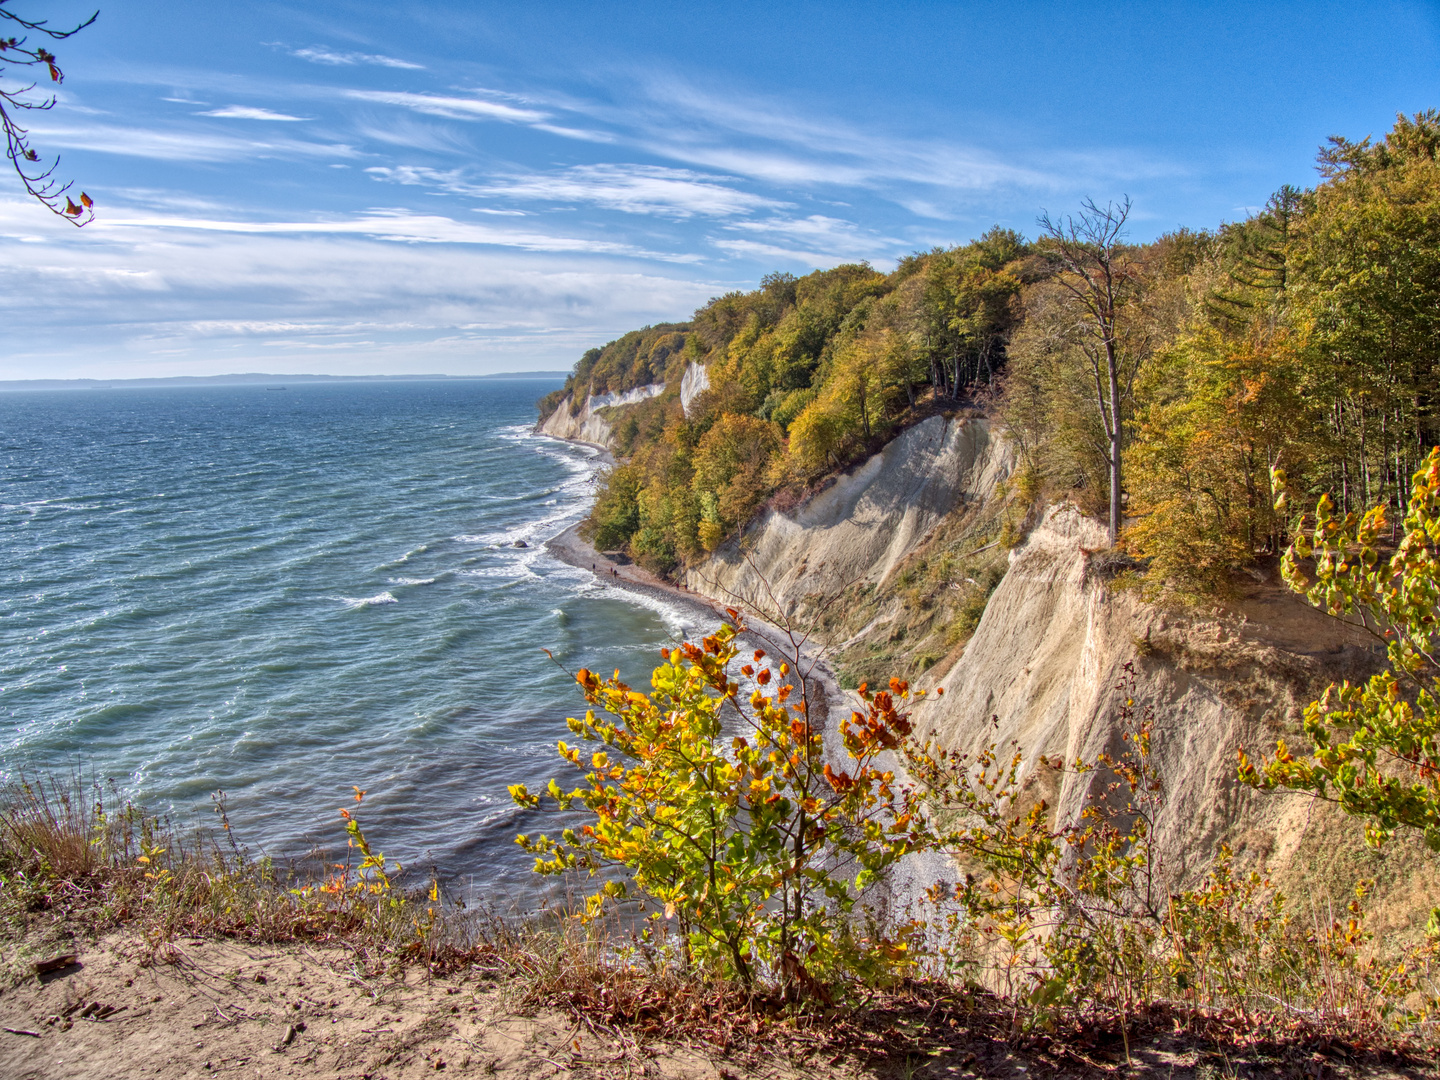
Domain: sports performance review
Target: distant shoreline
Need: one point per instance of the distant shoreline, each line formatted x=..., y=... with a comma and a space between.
x=258, y=379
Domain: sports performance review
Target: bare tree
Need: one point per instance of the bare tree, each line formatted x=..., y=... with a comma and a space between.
x=1101, y=279
x=16, y=52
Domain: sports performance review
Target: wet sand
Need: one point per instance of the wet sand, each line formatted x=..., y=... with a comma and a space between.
x=569, y=548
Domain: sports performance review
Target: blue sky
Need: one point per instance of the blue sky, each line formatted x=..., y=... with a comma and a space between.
x=366, y=188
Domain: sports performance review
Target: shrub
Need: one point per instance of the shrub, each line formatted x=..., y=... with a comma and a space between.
x=752, y=842
x=1082, y=913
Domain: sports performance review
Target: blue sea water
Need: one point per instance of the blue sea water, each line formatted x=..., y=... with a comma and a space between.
x=284, y=593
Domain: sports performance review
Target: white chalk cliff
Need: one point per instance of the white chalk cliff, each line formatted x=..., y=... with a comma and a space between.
x=586, y=424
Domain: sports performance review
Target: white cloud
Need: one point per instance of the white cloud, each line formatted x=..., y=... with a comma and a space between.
x=183, y=145
x=455, y=108
x=318, y=54
x=634, y=189
x=415, y=134
x=400, y=226
x=250, y=112
x=775, y=252
x=631, y=189
x=772, y=142
x=816, y=240
x=584, y=135
x=144, y=299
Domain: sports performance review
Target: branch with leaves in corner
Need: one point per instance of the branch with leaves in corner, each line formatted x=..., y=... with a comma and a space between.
x=16, y=51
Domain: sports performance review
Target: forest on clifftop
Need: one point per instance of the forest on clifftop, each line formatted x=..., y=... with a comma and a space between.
x=1295, y=346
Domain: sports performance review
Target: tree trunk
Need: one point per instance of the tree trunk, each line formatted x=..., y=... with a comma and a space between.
x=1116, y=436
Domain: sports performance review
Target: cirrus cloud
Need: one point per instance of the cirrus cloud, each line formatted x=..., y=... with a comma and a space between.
x=250, y=112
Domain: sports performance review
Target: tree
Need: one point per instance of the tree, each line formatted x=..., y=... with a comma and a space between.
x=1217, y=416
x=1377, y=746
x=39, y=180
x=1101, y=280
x=730, y=463
x=970, y=294
x=1365, y=280
x=1255, y=255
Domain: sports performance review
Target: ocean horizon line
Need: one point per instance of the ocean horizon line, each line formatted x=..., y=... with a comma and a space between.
x=254, y=378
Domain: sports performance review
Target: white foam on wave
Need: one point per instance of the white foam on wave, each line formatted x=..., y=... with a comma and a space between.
x=412, y=580
x=406, y=557
x=509, y=571
x=678, y=620
x=43, y=504
x=366, y=601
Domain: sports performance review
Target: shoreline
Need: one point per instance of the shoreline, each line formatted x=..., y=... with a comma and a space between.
x=570, y=549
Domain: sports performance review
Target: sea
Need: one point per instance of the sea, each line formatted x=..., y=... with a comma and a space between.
x=289, y=591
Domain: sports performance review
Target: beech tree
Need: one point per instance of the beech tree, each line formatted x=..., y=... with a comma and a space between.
x=1101, y=279
x=17, y=96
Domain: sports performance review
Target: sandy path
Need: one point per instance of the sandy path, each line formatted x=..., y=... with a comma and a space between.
x=227, y=1008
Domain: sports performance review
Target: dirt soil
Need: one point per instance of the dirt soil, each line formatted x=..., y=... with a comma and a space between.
x=222, y=1008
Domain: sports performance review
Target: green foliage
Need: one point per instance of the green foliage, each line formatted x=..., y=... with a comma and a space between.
x=751, y=842
x=806, y=375
x=730, y=465
x=640, y=357
x=615, y=516
x=1377, y=745
x=1365, y=282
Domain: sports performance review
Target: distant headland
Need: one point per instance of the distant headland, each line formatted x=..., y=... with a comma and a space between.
x=250, y=378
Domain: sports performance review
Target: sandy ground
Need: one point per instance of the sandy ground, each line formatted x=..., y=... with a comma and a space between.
x=227, y=1009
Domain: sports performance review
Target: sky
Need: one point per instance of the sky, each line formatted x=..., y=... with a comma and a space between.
x=464, y=188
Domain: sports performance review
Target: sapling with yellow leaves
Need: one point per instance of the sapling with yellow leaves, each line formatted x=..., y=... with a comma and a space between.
x=723, y=812
x=1377, y=744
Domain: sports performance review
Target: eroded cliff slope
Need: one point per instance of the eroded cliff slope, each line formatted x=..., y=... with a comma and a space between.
x=872, y=561
x=859, y=529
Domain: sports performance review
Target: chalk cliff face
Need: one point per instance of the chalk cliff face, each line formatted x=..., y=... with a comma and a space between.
x=587, y=425
x=860, y=527
x=695, y=380
x=1043, y=667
